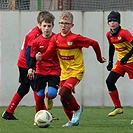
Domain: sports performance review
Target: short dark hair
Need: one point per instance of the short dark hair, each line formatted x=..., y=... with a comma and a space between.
x=45, y=16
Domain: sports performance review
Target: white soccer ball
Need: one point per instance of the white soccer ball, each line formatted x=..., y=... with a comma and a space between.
x=43, y=119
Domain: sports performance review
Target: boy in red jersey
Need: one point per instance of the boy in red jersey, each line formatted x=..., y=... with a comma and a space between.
x=48, y=70
x=23, y=63
x=69, y=49
x=121, y=41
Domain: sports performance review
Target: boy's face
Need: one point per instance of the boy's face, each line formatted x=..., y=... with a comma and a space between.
x=65, y=26
x=46, y=28
x=113, y=24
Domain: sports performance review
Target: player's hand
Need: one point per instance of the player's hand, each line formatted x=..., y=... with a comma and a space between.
x=103, y=60
x=31, y=74
x=38, y=56
x=73, y=90
x=110, y=65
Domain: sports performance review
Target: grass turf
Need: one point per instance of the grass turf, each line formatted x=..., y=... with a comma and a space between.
x=93, y=120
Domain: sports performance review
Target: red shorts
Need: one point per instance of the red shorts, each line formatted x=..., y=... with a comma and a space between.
x=122, y=69
x=70, y=82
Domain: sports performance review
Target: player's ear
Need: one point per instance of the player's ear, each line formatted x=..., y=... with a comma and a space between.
x=72, y=25
x=39, y=25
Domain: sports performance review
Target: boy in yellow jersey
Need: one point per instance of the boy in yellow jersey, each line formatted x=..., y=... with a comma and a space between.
x=69, y=49
x=121, y=41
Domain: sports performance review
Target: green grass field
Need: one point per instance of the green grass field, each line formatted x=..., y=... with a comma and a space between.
x=93, y=120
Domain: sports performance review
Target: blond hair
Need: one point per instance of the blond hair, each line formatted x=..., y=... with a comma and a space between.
x=67, y=16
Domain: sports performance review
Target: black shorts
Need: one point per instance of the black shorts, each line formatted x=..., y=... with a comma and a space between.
x=42, y=81
x=23, y=79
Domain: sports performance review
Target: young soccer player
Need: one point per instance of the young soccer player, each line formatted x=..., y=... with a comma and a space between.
x=69, y=49
x=121, y=41
x=23, y=63
x=48, y=70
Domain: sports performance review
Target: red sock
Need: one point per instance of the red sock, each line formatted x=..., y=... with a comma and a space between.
x=14, y=103
x=69, y=112
x=47, y=96
x=115, y=98
x=40, y=105
x=73, y=103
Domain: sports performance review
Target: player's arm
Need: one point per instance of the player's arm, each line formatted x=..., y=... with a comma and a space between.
x=127, y=56
x=97, y=50
x=128, y=36
x=31, y=70
x=50, y=50
x=32, y=62
x=34, y=51
x=27, y=54
x=111, y=55
x=86, y=42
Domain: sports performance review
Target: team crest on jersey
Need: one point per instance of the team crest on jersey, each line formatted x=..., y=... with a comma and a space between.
x=119, y=37
x=69, y=43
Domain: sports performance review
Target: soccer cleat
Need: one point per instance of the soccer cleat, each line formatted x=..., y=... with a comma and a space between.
x=70, y=124
x=54, y=118
x=76, y=115
x=8, y=116
x=116, y=111
x=49, y=103
x=131, y=122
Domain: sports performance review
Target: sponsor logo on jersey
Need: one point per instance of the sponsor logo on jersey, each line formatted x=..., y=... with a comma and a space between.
x=41, y=46
x=67, y=57
x=121, y=49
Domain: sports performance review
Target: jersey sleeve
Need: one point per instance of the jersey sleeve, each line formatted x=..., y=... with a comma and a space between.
x=34, y=49
x=108, y=36
x=86, y=42
x=82, y=41
x=127, y=35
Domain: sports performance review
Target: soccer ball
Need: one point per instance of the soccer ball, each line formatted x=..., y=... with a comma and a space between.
x=43, y=119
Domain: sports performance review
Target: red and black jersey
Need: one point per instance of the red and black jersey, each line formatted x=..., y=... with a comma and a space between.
x=29, y=38
x=46, y=66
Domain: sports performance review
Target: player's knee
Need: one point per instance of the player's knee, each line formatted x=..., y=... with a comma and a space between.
x=107, y=81
x=23, y=89
x=65, y=93
x=52, y=92
x=110, y=84
x=40, y=92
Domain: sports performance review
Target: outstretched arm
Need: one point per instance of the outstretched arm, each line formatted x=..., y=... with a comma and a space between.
x=97, y=50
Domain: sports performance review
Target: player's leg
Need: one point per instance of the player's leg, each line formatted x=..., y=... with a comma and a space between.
x=39, y=92
x=21, y=92
x=66, y=95
x=39, y=100
x=66, y=107
x=113, y=92
x=53, y=85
